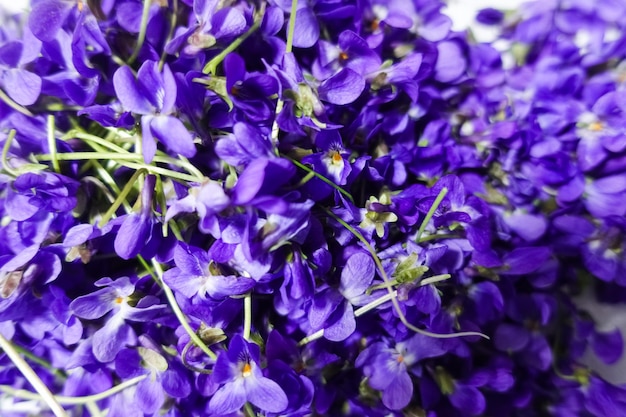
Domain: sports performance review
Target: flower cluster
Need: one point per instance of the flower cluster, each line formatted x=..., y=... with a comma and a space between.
x=293, y=208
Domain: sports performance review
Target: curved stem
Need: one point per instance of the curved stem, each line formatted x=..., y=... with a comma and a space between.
x=394, y=299
x=179, y=313
x=61, y=399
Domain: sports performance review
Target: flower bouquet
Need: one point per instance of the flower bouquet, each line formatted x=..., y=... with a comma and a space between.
x=311, y=208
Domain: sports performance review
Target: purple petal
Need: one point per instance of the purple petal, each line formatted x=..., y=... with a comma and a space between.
x=129, y=93
x=528, y=226
x=450, y=62
x=228, y=399
x=468, y=399
x=266, y=394
x=175, y=382
x=95, y=305
x=511, y=338
x=224, y=286
x=228, y=22
x=171, y=132
x=522, y=261
x=149, y=395
x=132, y=235
x=357, y=275
x=344, y=326
x=113, y=337
x=307, y=30
x=608, y=346
x=399, y=393
x=47, y=17
x=22, y=86
x=342, y=88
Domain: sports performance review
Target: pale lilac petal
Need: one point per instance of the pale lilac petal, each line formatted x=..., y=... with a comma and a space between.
x=113, y=337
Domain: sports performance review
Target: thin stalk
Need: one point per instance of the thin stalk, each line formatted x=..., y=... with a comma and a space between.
x=247, y=315
x=394, y=299
x=179, y=313
x=32, y=377
x=39, y=361
x=121, y=197
x=211, y=66
x=435, y=279
x=5, y=154
x=170, y=33
x=292, y=26
x=145, y=14
x=61, y=399
x=52, y=144
x=431, y=212
x=12, y=104
x=321, y=177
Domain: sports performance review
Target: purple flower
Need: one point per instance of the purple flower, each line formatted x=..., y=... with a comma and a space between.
x=195, y=274
x=153, y=95
x=239, y=372
x=114, y=299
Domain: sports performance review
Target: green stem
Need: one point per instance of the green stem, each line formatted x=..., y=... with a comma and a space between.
x=211, y=66
x=61, y=399
x=32, y=377
x=292, y=26
x=431, y=212
x=247, y=315
x=434, y=279
x=5, y=153
x=145, y=14
x=170, y=33
x=394, y=299
x=320, y=176
x=121, y=197
x=12, y=104
x=39, y=361
x=179, y=313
